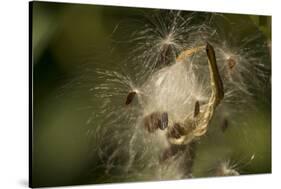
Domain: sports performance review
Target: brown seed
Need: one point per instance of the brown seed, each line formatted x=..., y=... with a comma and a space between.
x=231, y=63
x=176, y=131
x=164, y=121
x=152, y=121
x=180, y=128
x=156, y=120
x=130, y=97
x=196, y=109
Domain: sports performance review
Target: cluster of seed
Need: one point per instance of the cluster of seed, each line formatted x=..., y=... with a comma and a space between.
x=184, y=71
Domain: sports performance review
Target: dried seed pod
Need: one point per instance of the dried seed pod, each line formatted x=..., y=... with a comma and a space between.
x=130, y=97
x=193, y=128
x=216, y=81
x=188, y=53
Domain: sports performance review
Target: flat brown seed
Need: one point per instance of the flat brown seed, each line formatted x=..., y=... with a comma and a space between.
x=176, y=131
x=231, y=63
x=130, y=97
x=196, y=109
x=180, y=128
x=152, y=121
x=164, y=121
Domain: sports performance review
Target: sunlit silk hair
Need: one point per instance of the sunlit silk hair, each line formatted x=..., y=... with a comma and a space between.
x=169, y=72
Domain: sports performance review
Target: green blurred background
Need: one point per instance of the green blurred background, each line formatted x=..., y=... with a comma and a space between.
x=65, y=38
